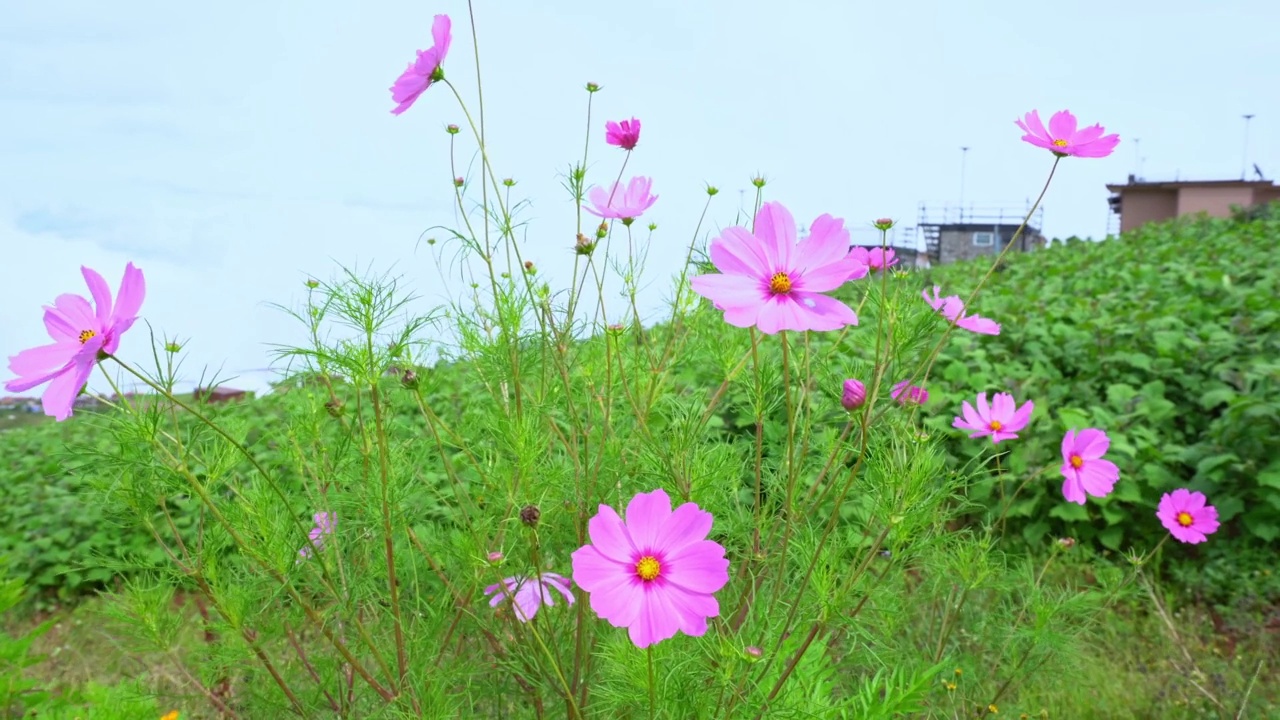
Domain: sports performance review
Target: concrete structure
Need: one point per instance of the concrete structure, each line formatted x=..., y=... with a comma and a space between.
x=952, y=234
x=1139, y=202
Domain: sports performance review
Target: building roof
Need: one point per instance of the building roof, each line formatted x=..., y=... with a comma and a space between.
x=1135, y=184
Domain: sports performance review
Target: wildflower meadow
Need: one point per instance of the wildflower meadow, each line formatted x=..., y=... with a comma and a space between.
x=825, y=485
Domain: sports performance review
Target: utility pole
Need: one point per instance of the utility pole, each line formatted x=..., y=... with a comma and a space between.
x=964, y=154
x=1244, y=161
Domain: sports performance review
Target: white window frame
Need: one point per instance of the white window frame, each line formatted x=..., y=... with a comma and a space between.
x=990, y=239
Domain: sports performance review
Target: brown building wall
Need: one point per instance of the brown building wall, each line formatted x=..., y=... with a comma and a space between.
x=957, y=245
x=1144, y=206
x=1216, y=201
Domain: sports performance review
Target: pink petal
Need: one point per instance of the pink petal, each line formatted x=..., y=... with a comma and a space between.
x=593, y=571
x=76, y=311
x=620, y=604
x=731, y=291
x=45, y=359
x=827, y=243
x=1092, y=444
x=60, y=397
x=822, y=278
x=101, y=293
x=1068, y=444
x=58, y=327
x=691, y=610
x=687, y=525
x=1021, y=417
x=737, y=252
x=699, y=567
x=821, y=312
x=1071, y=487
x=1062, y=126
x=777, y=229
x=610, y=537
x=133, y=290
x=980, y=325
x=1033, y=126
x=646, y=514
x=1098, y=477
x=656, y=620
x=440, y=34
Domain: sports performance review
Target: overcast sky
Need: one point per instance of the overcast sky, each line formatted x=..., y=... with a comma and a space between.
x=234, y=149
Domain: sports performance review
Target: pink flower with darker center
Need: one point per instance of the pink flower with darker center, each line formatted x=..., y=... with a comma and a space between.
x=904, y=394
x=621, y=203
x=874, y=258
x=1083, y=467
x=952, y=308
x=527, y=594
x=655, y=574
x=1001, y=419
x=769, y=281
x=82, y=333
x=1063, y=138
x=425, y=69
x=624, y=134
x=1186, y=516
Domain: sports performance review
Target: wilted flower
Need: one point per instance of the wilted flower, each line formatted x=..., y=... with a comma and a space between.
x=1083, y=467
x=529, y=593
x=82, y=332
x=1186, y=516
x=624, y=134
x=1062, y=137
x=769, y=281
x=1067, y=543
x=904, y=394
x=624, y=204
x=1000, y=420
x=315, y=539
x=425, y=69
x=952, y=308
x=530, y=514
x=656, y=573
x=874, y=258
x=855, y=393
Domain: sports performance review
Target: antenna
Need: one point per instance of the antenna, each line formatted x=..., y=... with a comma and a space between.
x=1258, y=171
x=964, y=153
x=1137, y=159
x=1244, y=160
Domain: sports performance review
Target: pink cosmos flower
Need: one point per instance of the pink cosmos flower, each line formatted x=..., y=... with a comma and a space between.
x=952, y=308
x=425, y=69
x=874, y=258
x=82, y=334
x=1186, y=516
x=1062, y=137
x=904, y=394
x=625, y=204
x=768, y=281
x=624, y=134
x=855, y=393
x=1083, y=467
x=315, y=539
x=656, y=573
x=527, y=594
x=999, y=420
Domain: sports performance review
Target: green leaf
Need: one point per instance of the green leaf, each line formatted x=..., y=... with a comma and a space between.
x=1069, y=511
x=1112, y=537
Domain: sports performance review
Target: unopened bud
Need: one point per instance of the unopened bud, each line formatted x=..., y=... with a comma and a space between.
x=712, y=190
x=530, y=514
x=508, y=182
x=313, y=284
x=452, y=129
x=758, y=181
x=528, y=267
x=458, y=182
x=883, y=223
x=172, y=347
x=584, y=245
x=1067, y=542
x=334, y=407
x=409, y=379
x=495, y=557
x=753, y=652
x=602, y=230
x=854, y=395
x=592, y=87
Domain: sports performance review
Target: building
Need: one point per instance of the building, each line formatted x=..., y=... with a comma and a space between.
x=218, y=394
x=952, y=234
x=1139, y=202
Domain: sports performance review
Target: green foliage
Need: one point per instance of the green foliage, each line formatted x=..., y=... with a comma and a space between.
x=1167, y=339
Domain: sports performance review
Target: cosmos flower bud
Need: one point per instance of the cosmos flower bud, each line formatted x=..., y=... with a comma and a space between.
x=883, y=223
x=854, y=395
x=458, y=182
x=592, y=87
x=451, y=129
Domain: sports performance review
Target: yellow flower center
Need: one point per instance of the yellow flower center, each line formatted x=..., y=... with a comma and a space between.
x=86, y=335
x=1060, y=143
x=1077, y=462
x=780, y=284
x=996, y=425
x=648, y=568
x=1185, y=519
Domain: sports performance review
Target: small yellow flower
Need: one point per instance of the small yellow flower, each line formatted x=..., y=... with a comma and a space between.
x=993, y=709
x=171, y=715
x=950, y=686
x=959, y=672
